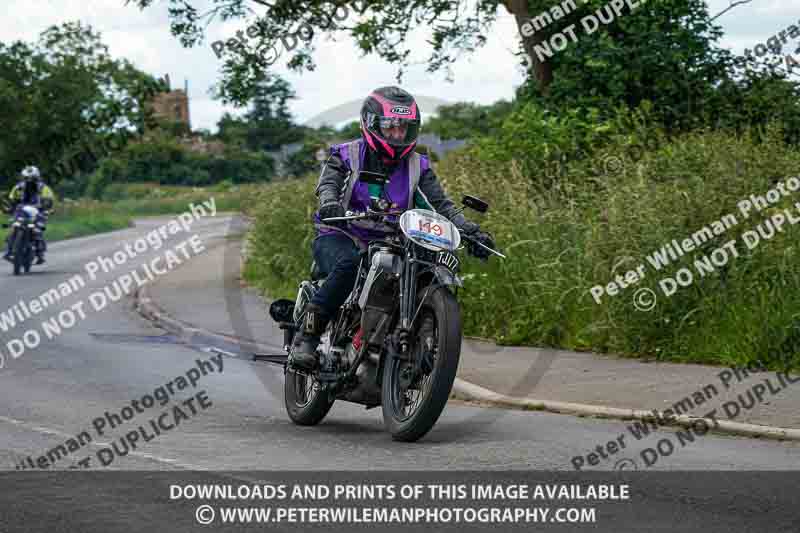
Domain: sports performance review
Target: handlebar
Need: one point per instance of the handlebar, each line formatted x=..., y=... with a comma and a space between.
x=381, y=214
x=360, y=216
x=475, y=241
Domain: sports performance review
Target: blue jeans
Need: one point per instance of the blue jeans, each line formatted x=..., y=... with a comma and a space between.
x=337, y=256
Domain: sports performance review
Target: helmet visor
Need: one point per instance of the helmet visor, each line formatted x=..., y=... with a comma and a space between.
x=395, y=131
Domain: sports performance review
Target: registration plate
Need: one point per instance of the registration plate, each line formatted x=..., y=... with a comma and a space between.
x=448, y=260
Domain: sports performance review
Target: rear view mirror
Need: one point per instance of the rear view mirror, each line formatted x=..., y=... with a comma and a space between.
x=475, y=203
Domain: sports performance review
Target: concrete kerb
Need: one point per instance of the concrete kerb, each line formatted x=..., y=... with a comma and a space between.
x=464, y=390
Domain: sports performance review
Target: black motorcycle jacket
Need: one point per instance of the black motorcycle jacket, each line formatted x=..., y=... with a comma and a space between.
x=335, y=172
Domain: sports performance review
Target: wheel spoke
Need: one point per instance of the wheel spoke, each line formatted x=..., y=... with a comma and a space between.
x=307, y=388
x=412, y=390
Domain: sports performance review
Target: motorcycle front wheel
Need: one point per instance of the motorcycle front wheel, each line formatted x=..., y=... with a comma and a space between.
x=413, y=400
x=20, y=247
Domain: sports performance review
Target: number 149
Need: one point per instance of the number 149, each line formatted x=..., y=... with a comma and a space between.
x=427, y=227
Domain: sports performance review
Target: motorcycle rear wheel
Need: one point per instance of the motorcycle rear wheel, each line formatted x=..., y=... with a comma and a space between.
x=307, y=401
x=440, y=321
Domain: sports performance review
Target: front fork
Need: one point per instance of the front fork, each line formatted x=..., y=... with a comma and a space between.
x=408, y=298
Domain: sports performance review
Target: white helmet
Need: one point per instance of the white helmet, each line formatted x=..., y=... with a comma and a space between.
x=31, y=173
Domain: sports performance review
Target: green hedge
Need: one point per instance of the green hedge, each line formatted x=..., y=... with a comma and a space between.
x=167, y=162
x=585, y=228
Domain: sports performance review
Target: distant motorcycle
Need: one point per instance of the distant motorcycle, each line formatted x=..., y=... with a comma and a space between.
x=396, y=342
x=26, y=231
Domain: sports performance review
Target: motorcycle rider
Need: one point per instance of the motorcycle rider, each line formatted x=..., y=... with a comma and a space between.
x=390, y=122
x=32, y=190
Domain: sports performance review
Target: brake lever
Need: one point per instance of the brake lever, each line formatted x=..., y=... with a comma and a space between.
x=475, y=241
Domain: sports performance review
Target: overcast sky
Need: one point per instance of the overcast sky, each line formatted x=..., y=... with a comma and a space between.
x=342, y=74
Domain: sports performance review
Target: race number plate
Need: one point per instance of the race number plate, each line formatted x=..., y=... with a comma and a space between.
x=430, y=230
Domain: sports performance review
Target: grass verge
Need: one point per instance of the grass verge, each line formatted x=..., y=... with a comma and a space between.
x=585, y=229
x=79, y=218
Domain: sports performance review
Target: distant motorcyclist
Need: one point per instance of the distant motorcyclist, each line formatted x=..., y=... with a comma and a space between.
x=32, y=190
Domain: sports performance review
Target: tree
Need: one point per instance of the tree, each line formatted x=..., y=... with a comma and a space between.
x=465, y=120
x=351, y=130
x=269, y=120
x=582, y=54
x=382, y=27
x=664, y=52
x=62, y=97
x=232, y=130
x=268, y=123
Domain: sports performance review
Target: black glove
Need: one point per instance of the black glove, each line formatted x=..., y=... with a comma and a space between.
x=483, y=237
x=469, y=228
x=11, y=207
x=330, y=210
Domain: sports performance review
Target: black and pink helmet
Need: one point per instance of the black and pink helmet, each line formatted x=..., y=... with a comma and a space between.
x=385, y=109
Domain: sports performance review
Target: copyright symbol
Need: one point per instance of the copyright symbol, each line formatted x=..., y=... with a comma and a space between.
x=204, y=514
x=269, y=55
x=644, y=300
x=612, y=164
x=626, y=464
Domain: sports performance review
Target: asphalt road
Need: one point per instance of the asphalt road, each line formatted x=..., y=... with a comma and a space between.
x=56, y=391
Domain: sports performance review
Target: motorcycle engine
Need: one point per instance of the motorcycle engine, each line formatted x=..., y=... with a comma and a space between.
x=378, y=296
x=366, y=391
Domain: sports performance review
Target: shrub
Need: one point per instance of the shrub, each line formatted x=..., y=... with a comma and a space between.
x=425, y=150
x=167, y=162
x=590, y=226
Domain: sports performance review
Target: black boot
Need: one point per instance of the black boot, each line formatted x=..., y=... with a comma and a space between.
x=40, y=249
x=304, y=348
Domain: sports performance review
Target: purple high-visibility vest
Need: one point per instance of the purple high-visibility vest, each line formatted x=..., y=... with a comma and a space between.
x=399, y=192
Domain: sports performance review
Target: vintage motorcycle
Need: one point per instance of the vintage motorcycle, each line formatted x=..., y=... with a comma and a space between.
x=26, y=226
x=396, y=341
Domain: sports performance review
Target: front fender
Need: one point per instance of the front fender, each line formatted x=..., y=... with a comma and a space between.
x=447, y=277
